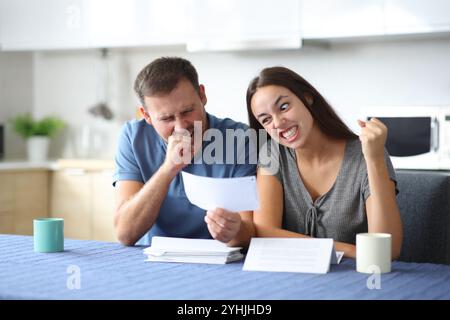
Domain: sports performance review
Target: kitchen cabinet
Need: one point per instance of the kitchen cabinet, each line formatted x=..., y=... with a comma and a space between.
x=341, y=18
x=80, y=192
x=332, y=19
x=133, y=23
x=251, y=24
x=103, y=205
x=204, y=25
x=84, y=197
x=417, y=16
x=70, y=200
x=44, y=24
x=118, y=23
x=167, y=22
x=23, y=197
x=79, y=24
x=6, y=203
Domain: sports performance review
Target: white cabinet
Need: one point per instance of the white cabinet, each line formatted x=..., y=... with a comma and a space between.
x=209, y=24
x=128, y=23
x=236, y=24
x=132, y=23
x=330, y=19
x=167, y=22
x=417, y=16
x=72, y=24
x=44, y=24
x=75, y=24
x=342, y=18
x=112, y=23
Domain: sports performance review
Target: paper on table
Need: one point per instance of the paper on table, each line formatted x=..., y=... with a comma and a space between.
x=166, y=249
x=233, y=194
x=290, y=255
x=198, y=259
x=189, y=245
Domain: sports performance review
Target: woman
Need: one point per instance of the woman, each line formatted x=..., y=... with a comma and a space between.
x=329, y=183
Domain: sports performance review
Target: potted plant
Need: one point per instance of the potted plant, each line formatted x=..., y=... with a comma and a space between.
x=37, y=134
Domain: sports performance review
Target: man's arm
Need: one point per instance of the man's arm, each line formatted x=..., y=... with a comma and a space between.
x=138, y=206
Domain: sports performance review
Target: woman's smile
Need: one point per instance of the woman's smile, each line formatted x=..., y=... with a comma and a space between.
x=289, y=134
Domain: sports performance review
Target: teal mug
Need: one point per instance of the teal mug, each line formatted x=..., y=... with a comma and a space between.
x=48, y=234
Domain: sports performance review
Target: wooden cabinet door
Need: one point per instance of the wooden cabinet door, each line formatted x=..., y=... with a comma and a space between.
x=6, y=203
x=103, y=204
x=70, y=200
x=31, y=199
x=23, y=197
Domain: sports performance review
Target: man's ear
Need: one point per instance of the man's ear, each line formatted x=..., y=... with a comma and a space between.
x=145, y=114
x=202, y=94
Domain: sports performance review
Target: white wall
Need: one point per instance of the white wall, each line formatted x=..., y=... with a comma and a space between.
x=16, y=96
x=350, y=75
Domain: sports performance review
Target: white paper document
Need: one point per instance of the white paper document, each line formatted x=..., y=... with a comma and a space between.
x=233, y=194
x=167, y=249
x=291, y=255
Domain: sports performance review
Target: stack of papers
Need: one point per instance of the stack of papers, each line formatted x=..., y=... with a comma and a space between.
x=167, y=249
x=291, y=255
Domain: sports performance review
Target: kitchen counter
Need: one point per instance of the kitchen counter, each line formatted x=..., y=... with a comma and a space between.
x=19, y=165
x=52, y=165
x=85, y=164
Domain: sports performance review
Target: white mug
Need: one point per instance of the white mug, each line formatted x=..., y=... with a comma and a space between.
x=373, y=252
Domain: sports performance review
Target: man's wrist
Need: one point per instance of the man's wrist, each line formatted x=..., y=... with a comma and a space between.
x=167, y=171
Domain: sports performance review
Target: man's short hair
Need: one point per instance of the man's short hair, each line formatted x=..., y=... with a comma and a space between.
x=162, y=75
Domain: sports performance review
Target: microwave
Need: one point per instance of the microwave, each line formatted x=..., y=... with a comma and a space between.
x=418, y=137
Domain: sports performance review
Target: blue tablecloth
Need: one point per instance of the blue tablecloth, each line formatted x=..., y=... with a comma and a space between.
x=112, y=271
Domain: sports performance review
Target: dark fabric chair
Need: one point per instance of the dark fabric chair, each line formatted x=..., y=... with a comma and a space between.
x=424, y=203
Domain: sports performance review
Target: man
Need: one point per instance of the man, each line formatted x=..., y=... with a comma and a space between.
x=152, y=153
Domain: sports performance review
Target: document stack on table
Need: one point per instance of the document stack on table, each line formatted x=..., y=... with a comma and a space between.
x=310, y=255
x=167, y=249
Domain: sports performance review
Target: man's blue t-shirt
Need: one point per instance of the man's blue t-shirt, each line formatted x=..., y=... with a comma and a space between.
x=141, y=151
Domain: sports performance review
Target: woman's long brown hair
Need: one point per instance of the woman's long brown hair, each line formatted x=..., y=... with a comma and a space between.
x=323, y=114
